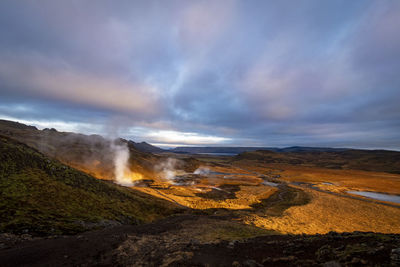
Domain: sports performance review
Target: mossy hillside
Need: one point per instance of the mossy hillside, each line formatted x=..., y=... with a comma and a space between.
x=43, y=196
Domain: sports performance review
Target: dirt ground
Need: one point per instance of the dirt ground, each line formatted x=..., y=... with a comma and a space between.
x=175, y=242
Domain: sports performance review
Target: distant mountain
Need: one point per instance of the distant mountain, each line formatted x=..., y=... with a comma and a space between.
x=238, y=150
x=146, y=147
x=308, y=149
x=228, y=150
x=355, y=159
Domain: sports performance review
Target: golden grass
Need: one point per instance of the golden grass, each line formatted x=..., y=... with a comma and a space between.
x=349, y=179
x=331, y=213
x=186, y=196
x=324, y=213
x=346, y=179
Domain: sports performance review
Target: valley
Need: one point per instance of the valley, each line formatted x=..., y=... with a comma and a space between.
x=60, y=192
x=199, y=133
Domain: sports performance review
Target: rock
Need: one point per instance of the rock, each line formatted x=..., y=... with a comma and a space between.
x=298, y=245
x=299, y=252
x=341, y=247
x=395, y=256
x=332, y=264
x=194, y=241
x=251, y=263
x=324, y=253
x=236, y=264
x=232, y=244
x=289, y=258
x=371, y=252
x=284, y=260
x=26, y=237
x=355, y=260
x=307, y=263
x=267, y=260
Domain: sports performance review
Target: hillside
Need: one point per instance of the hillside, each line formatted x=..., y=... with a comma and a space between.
x=146, y=147
x=89, y=153
x=42, y=196
x=239, y=211
x=92, y=154
x=367, y=160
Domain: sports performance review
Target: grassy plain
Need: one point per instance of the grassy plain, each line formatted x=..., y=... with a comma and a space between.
x=327, y=209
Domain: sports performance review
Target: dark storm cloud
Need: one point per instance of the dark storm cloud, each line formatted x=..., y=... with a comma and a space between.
x=227, y=72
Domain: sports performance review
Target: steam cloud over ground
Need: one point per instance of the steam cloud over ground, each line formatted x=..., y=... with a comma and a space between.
x=121, y=157
x=169, y=168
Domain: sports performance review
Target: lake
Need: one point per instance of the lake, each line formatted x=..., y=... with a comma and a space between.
x=377, y=196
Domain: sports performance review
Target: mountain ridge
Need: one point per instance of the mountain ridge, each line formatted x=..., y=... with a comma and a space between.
x=239, y=149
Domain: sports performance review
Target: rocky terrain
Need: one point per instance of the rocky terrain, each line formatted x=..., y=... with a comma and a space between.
x=167, y=243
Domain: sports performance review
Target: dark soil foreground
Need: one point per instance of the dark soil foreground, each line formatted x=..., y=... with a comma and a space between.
x=166, y=243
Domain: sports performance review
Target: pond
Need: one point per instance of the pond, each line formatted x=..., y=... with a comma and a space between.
x=270, y=183
x=377, y=196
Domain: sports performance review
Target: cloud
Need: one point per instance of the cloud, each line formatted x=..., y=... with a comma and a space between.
x=203, y=23
x=185, y=138
x=36, y=77
x=207, y=72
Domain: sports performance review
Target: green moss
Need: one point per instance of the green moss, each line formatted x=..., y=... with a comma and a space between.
x=43, y=196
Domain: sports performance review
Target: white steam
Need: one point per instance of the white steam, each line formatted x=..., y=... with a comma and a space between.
x=167, y=169
x=204, y=171
x=121, y=158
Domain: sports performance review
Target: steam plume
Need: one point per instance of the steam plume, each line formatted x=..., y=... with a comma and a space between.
x=123, y=174
x=204, y=171
x=168, y=168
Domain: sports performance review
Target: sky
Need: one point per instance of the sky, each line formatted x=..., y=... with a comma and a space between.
x=207, y=73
